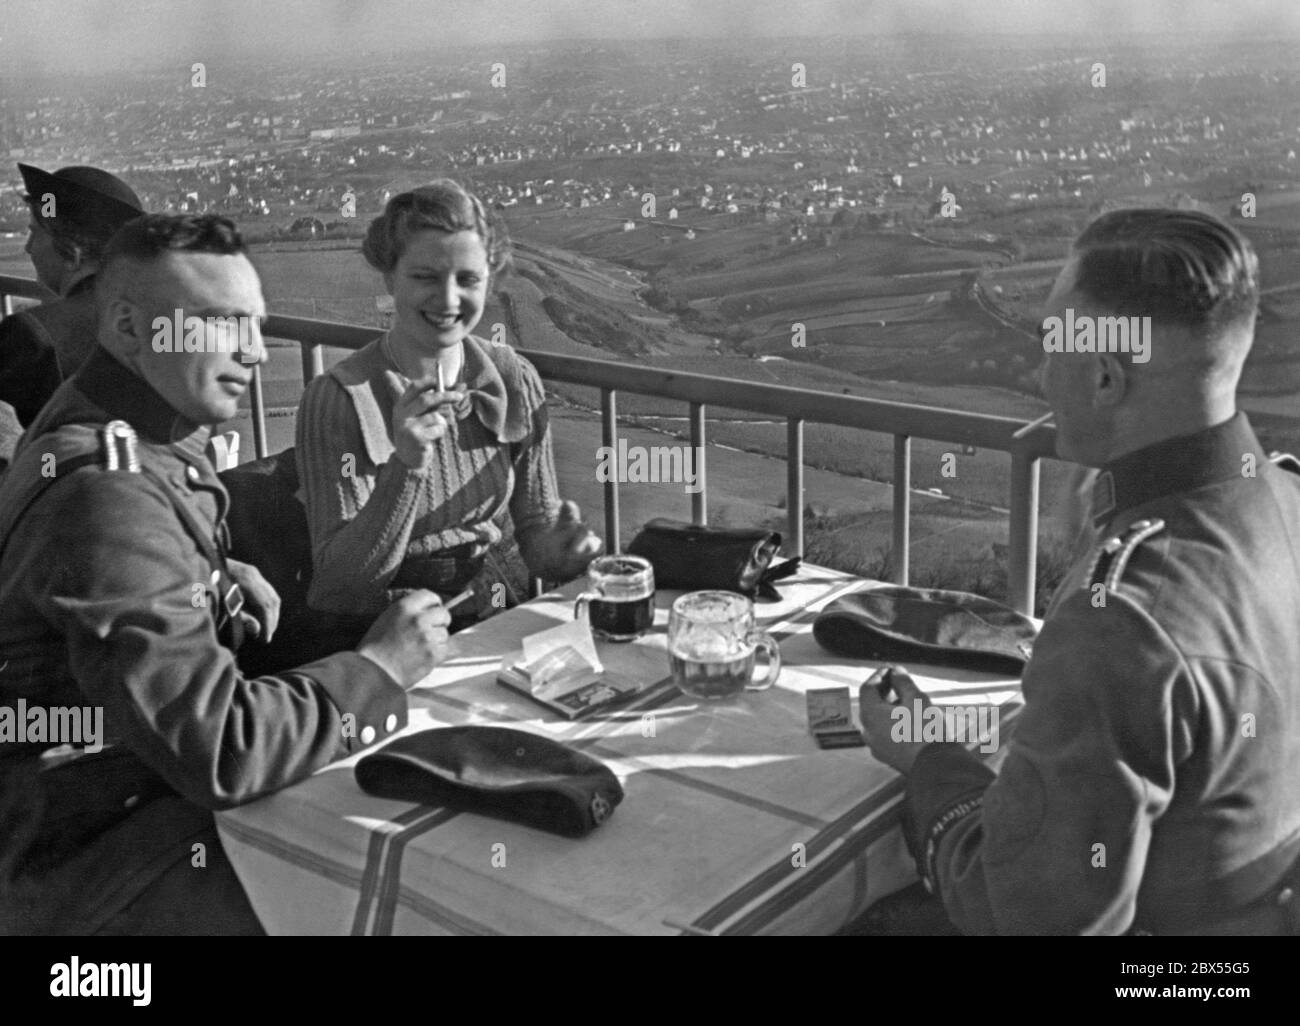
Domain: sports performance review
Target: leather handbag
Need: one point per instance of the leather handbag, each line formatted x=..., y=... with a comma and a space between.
x=694, y=557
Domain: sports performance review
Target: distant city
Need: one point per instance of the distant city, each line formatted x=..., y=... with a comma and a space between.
x=876, y=216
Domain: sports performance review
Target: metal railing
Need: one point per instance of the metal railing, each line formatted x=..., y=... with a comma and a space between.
x=796, y=406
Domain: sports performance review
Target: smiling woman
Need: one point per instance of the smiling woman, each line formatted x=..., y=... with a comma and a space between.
x=414, y=451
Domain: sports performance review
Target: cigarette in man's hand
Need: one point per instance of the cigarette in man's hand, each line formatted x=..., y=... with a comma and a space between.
x=464, y=596
x=442, y=381
x=1021, y=432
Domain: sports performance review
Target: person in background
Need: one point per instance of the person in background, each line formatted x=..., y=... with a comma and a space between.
x=412, y=451
x=74, y=212
x=1150, y=783
x=117, y=599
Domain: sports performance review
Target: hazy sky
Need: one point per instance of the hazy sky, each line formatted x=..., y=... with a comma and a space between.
x=95, y=35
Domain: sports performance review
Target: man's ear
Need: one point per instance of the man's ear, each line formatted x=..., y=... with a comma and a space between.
x=122, y=321
x=1110, y=381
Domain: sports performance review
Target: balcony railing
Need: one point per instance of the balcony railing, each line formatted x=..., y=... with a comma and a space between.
x=796, y=406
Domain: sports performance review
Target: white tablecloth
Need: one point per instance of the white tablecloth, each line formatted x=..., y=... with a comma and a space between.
x=734, y=822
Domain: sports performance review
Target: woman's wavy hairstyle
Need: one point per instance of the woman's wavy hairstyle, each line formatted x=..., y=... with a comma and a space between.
x=444, y=205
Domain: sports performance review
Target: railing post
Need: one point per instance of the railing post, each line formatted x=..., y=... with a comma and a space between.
x=259, y=415
x=609, y=438
x=313, y=361
x=700, y=498
x=1022, y=554
x=902, y=508
x=794, y=484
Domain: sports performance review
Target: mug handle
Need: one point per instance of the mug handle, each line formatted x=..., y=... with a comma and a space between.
x=768, y=644
x=580, y=611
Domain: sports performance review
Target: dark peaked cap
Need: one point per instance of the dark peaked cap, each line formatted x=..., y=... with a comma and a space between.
x=85, y=198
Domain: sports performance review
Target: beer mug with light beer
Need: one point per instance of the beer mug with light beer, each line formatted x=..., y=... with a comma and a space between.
x=713, y=645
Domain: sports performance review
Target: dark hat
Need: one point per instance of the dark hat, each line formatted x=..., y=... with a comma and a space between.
x=85, y=198
x=495, y=771
x=947, y=628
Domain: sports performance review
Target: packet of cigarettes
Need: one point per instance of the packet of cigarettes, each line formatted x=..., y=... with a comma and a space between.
x=830, y=718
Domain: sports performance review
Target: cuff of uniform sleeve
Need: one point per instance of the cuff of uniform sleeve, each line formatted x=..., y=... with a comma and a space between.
x=371, y=705
x=945, y=785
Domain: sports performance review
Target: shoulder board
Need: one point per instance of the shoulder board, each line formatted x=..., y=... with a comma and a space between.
x=1286, y=461
x=119, y=447
x=1114, y=553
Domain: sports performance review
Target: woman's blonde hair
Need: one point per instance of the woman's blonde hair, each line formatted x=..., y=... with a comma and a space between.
x=443, y=205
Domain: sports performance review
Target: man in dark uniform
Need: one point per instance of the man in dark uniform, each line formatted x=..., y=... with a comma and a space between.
x=116, y=597
x=1150, y=784
x=74, y=212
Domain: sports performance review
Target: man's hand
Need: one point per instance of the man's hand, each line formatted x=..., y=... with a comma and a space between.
x=259, y=596
x=878, y=717
x=561, y=551
x=409, y=639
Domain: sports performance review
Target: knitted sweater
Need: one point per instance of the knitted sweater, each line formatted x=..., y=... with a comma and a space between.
x=368, y=512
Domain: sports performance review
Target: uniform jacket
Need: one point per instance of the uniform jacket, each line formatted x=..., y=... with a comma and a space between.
x=108, y=601
x=1150, y=783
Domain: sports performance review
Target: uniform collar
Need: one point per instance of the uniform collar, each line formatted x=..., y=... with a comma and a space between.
x=124, y=395
x=1174, y=465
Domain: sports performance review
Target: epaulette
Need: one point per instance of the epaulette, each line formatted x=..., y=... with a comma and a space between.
x=1286, y=461
x=1114, y=553
x=119, y=447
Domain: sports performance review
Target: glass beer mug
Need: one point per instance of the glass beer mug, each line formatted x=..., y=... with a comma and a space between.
x=621, y=601
x=712, y=645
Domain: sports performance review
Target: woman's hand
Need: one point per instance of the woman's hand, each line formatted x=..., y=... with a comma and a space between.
x=418, y=421
x=561, y=551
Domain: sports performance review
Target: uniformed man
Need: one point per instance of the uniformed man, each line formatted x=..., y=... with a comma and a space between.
x=1150, y=784
x=116, y=599
x=74, y=212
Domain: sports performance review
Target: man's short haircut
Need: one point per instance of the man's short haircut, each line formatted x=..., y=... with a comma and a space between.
x=149, y=238
x=152, y=236
x=444, y=205
x=1179, y=267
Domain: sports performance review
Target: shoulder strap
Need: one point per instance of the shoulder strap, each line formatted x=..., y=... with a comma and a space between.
x=1113, y=556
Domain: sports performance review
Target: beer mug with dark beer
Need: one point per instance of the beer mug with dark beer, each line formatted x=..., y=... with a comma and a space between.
x=621, y=601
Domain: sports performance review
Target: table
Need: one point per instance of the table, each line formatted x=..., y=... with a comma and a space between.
x=734, y=822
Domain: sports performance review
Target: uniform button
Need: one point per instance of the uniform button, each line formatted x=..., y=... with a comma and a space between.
x=390, y=724
x=367, y=735
x=192, y=472
x=131, y=802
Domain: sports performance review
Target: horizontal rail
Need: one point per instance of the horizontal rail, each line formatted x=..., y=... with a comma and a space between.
x=794, y=406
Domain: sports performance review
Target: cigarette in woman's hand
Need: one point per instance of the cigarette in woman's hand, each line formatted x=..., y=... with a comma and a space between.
x=1021, y=432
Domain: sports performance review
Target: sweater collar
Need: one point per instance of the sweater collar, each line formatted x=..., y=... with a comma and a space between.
x=492, y=392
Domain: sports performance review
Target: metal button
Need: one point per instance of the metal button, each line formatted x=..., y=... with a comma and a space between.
x=367, y=735
x=390, y=724
x=192, y=472
x=131, y=802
